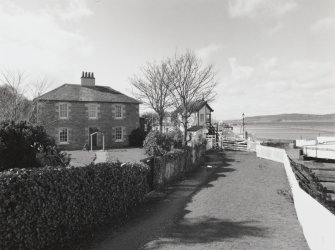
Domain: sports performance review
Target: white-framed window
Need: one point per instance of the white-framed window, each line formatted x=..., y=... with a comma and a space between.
x=118, y=111
x=202, y=117
x=92, y=111
x=118, y=134
x=63, y=110
x=63, y=135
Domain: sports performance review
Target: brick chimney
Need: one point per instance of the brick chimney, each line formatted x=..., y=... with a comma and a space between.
x=87, y=79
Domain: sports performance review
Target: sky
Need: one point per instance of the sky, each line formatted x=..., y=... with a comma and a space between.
x=270, y=56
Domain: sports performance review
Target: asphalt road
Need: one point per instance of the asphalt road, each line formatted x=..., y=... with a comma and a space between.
x=242, y=202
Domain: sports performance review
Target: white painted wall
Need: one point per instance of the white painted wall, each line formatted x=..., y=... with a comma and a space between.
x=317, y=222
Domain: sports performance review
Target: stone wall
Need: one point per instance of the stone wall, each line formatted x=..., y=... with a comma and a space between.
x=78, y=123
x=172, y=166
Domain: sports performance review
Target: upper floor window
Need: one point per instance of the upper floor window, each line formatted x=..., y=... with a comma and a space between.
x=92, y=111
x=118, y=111
x=63, y=135
x=63, y=110
x=202, y=117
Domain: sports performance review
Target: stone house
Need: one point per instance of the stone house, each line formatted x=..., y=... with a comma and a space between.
x=200, y=120
x=88, y=114
x=201, y=115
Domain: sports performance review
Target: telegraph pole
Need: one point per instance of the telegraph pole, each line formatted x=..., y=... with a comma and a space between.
x=243, y=124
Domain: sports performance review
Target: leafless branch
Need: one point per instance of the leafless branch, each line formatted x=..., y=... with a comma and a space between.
x=152, y=88
x=189, y=82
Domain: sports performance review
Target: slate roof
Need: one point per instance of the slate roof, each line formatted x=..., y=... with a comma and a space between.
x=196, y=106
x=79, y=93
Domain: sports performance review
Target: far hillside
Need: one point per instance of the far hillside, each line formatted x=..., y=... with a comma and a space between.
x=288, y=118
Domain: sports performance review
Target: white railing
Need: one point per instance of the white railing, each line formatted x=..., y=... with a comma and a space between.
x=301, y=143
x=321, y=151
x=325, y=139
x=211, y=141
x=317, y=222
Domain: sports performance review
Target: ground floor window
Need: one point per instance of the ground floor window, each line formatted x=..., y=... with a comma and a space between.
x=63, y=135
x=118, y=134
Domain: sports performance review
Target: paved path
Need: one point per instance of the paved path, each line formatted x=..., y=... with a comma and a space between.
x=244, y=204
x=101, y=157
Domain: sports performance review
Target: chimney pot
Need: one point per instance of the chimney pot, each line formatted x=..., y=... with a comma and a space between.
x=87, y=79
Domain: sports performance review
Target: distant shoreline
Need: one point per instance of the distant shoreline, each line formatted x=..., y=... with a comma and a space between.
x=288, y=130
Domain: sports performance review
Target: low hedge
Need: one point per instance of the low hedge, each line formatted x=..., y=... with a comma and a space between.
x=46, y=206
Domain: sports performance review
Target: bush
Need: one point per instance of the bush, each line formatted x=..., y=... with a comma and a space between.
x=19, y=144
x=137, y=137
x=45, y=206
x=177, y=137
x=156, y=143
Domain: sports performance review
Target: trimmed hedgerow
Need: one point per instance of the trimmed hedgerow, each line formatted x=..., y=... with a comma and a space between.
x=45, y=206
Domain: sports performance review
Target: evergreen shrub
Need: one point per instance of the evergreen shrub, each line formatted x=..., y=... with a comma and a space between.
x=41, y=207
x=157, y=144
x=23, y=145
x=137, y=137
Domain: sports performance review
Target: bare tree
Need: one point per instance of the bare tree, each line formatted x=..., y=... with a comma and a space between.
x=189, y=82
x=150, y=118
x=13, y=104
x=152, y=88
x=38, y=88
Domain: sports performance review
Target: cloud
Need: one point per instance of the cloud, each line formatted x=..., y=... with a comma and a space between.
x=324, y=24
x=238, y=72
x=209, y=50
x=273, y=86
x=254, y=8
x=278, y=26
x=36, y=39
x=75, y=10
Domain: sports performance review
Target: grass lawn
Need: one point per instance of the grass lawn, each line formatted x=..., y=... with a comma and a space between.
x=81, y=158
x=126, y=154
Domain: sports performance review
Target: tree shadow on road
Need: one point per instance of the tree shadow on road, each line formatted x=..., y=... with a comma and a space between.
x=208, y=229
x=222, y=165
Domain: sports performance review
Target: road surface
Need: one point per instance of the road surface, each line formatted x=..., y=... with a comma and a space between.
x=238, y=202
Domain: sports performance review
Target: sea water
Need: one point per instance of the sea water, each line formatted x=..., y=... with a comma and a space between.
x=290, y=130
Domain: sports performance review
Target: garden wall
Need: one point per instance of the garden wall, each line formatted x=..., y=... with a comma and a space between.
x=170, y=167
x=46, y=206
x=317, y=222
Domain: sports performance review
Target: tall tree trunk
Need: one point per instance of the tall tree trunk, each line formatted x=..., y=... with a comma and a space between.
x=185, y=131
x=161, y=124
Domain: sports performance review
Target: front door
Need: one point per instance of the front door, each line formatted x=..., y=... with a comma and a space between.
x=93, y=137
